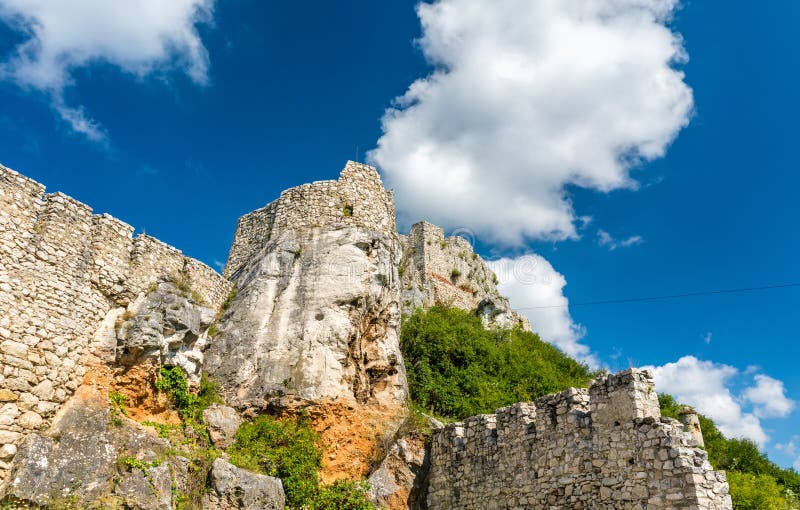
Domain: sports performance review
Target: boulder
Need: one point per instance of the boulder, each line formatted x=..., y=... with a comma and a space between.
x=222, y=423
x=77, y=458
x=235, y=488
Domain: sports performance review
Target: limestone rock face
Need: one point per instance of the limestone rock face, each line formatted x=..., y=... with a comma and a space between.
x=235, y=488
x=167, y=327
x=222, y=423
x=317, y=316
x=76, y=458
x=400, y=481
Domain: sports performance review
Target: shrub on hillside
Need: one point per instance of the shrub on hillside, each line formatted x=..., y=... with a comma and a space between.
x=457, y=368
x=289, y=449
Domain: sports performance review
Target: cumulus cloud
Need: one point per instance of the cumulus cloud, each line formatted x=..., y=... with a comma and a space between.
x=790, y=449
x=526, y=98
x=138, y=37
x=535, y=289
x=769, y=397
x=605, y=239
x=705, y=385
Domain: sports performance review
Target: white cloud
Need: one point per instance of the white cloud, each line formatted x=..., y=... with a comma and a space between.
x=140, y=37
x=529, y=282
x=769, y=397
x=705, y=385
x=526, y=98
x=790, y=449
x=707, y=337
x=605, y=239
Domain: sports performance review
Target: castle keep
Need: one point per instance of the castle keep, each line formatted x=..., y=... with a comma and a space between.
x=307, y=316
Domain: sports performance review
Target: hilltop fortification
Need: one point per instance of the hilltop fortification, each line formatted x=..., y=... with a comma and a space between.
x=306, y=321
x=439, y=269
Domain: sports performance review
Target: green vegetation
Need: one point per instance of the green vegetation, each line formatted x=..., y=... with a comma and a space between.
x=183, y=283
x=457, y=368
x=227, y=303
x=454, y=274
x=213, y=331
x=755, y=481
x=117, y=407
x=192, y=435
x=191, y=406
x=290, y=450
x=347, y=211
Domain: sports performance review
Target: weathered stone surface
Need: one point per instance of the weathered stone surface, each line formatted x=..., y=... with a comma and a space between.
x=146, y=490
x=234, y=488
x=401, y=480
x=167, y=327
x=606, y=447
x=445, y=270
x=317, y=311
x=64, y=271
x=78, y=456
x=222, y=423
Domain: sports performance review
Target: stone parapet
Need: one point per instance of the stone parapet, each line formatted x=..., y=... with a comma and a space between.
x=605, y=447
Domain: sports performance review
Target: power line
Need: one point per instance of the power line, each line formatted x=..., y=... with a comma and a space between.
x=666, y=296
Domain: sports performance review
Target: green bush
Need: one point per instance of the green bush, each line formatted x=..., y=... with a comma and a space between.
x=191, y=406
x=289, y=449
x=457, y=368
x=756, y=492
x=342, y=495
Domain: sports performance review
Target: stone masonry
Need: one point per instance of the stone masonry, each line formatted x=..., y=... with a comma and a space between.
x=63, y=271
x=445, y=270
x=605, y=447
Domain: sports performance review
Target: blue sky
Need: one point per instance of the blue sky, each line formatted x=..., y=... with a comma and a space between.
x=611, y=184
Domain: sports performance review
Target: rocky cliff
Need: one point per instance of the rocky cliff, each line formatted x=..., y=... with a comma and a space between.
x=108, y=343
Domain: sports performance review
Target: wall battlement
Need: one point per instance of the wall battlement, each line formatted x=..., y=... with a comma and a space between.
x=62, y=270
x=602, y=447
x=357, y=198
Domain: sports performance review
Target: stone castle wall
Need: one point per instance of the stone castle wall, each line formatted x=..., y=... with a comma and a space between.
x=357, y=198
x=605, y=447
x=446, y=270
x=62, y=270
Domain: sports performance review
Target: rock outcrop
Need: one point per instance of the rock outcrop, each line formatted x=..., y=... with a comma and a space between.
x=80, y=460
x=317, y=311
x=445, y=270
x=233, y=488
x=90, y=315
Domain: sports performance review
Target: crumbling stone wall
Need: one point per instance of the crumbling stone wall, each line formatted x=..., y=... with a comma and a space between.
x=356, y=199
x=605, y=447
x=446, y=270
x=63, y=270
